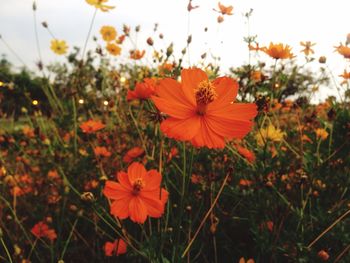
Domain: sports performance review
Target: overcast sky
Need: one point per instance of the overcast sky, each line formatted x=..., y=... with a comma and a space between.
x=289, y=21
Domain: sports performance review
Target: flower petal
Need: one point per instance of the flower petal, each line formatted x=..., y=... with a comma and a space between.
x=120, y=208
x=153, y=180
x=116, y=191
x=136, y=171
x=190, y=78
x=238, y=111
x=171, y=91
x=227, y=89
x=173, y=109
x=208, y=137
x=137, y=210
x=181, y=129
x=123, y=179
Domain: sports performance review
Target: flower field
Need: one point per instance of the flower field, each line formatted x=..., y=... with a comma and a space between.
x=153, y=159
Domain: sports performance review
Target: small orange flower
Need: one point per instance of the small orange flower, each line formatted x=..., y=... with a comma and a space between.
x=91, y=126
x=242, y=260
x=249, y=155
x=343, y=50
x=113, y=49
x=323, y=255
x=132, y=154
x=278, y=51
x=225, y=10
x=108, y=33
x=42, y=230
x=245, y=182
x=256, y=48
x=137, y=54
x=102, y=151
x=117, y=248
x=137, y=194
x=202, y=111
x=307, y=47
x=345, y=76
x=321, y=134
x=143, y=91
x=165, y=68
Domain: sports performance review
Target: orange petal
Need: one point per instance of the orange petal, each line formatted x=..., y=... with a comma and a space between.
x=153, y=180
x=137, y=210
x=190, y=78
x=227, y=89
x=155, y=208
x=116, y=191
x=136, y=171
x=171, y=90
x=120, y=208
x=176, y=110
x=181, y=129
x=238, y=111
x=208, y=137
x=123, y=179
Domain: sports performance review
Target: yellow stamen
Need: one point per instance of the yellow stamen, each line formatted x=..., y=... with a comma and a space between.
x=137, y=187
x=205, y=93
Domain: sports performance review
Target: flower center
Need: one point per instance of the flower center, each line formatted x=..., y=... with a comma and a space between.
x=137, y=187
x=205, y=93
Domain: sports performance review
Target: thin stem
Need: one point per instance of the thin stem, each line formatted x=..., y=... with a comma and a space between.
x=89, y=33
x=6, y=250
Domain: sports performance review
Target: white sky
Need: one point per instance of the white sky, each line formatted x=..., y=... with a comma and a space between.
x=325, y=22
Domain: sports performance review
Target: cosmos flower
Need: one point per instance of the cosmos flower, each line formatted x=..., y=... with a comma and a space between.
x=108, y=33
x=137, y=54
x=113, y=49
x=100, y=4
x=118, y=247
x=202, y=111
x=137, y=194
x=269, y=133
x=42, y=230
x=91, y=126
x=307, y=47
x=59, y=46
x=343, y=50
x=225, y=10
x=278, y=51
x=142, y=91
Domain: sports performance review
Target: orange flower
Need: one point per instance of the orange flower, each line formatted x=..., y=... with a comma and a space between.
x=321, y=134
x=202, y=111
x=42, y=230
x=345, y=76
x=307, y=47
x=225, y=10
x=343, y=50
x=137, y=194
x=113, y=49
x=132, y=154
x=165, y=68
x=256, y=48
x=278, y=51
x=91, y=126
x=143, y=91
x=102, y=151
x=250, y=156
x=117, y=248
x=323, y=255
x=137, y=54
x=242, y=260
x=245, y=182
x=108, y=33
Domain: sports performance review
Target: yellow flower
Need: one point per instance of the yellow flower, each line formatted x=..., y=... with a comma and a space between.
x=307, y=47
x=99, y=4
x=108, y=33
x=59, y=46
x=278, y=51
x=113, y=49
x=269, y=133
x=321, y=134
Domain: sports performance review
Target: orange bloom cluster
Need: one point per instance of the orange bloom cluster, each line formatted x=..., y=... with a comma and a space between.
x=137, y=194
x=278, y=51
x=132, y=154
x=91, y=126
x=102, y=151
x=42, y=230
x=343, y=50
x=143, y=91
x=137, y=54
x=118, y=247
x=202, y=111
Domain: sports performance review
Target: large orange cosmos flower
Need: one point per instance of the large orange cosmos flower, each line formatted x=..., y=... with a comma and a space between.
x=278, y=51
x=202, y=111
x=137, y=194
